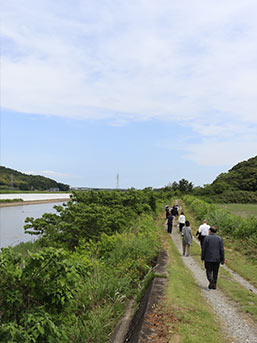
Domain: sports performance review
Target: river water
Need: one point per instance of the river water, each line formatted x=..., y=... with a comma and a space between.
x=12, y=221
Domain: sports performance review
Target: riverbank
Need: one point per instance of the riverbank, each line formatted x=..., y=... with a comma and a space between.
x=32, y=202
x=32, y=198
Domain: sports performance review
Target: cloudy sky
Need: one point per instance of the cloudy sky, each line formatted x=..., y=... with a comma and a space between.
x=154, y=91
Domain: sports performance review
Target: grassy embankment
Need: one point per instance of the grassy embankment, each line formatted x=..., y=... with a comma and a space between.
x=246, y=301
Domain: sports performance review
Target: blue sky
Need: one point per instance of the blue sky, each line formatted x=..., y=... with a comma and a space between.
x=154, y=91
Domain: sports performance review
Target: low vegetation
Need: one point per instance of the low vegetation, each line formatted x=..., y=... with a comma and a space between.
x=242, y=210
x=90, y=260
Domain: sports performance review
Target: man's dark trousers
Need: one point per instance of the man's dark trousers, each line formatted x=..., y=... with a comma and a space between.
x=212, y=270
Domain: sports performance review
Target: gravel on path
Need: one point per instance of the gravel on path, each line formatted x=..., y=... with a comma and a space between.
x=237, y=277
x=237, y=326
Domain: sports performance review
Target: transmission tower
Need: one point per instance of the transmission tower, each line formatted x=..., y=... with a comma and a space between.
x=118, y=181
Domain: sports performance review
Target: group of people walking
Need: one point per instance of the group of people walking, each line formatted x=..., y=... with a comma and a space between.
x=184, y=227
x=212, y=248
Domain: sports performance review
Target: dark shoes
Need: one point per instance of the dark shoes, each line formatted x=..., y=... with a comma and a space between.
x=212, y=285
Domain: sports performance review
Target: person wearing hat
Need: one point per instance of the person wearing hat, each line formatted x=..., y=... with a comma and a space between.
x=213, y=255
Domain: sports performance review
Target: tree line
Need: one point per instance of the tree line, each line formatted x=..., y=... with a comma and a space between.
x=15, y=180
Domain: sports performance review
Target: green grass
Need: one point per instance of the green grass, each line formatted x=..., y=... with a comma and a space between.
x=245, y=267
x=246, y=301
x=195, y=321
x=243, y=210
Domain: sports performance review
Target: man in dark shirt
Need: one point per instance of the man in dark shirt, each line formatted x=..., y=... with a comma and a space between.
x=212, y=255
x=167, y=211
x=169, y=223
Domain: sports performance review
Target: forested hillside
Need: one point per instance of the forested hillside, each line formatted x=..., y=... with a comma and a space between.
x=243, y=177
x=13, y=179
x=238, y=185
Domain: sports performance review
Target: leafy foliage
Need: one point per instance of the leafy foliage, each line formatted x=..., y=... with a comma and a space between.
x=240, y=197
x=89, y=214
x=63, y=295
x=36, y=292
x=228, y=224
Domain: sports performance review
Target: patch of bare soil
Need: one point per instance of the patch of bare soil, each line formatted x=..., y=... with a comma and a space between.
x=161, y=323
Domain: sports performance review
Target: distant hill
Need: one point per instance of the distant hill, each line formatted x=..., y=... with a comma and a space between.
x=238, y=185
x=242, y=177
x=13, y=179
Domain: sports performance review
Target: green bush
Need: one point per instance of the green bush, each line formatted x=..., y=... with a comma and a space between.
x=63, y=295
x=227, y=223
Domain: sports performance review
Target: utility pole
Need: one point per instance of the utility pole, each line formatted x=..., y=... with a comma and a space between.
x=118, y=181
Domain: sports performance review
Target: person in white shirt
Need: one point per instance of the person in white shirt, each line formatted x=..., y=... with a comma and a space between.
x=203, y=231
x=181, y=221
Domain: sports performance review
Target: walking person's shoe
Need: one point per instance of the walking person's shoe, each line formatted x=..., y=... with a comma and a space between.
x=212, y=285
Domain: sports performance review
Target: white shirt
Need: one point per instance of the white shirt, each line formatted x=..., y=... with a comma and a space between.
x=204, y=229
x=182, y=219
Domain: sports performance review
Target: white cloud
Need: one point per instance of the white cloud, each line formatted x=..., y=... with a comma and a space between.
x=189, y=61
x=212, y=152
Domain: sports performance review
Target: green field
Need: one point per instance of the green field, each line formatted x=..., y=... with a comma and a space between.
x=243, y=210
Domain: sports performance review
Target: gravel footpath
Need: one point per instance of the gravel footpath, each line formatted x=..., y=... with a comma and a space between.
x=236, y=325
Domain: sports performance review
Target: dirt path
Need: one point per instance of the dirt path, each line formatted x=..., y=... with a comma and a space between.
x=236, y=325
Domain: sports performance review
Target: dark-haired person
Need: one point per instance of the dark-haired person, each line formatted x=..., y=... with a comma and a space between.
x=174, y=210
x=186, y=238
x=169, y=223
x=203, y=231
x=213, y=255
x=181, y=221
x=167, y=211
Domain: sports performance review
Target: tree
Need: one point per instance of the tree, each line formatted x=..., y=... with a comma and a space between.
x=185, y=186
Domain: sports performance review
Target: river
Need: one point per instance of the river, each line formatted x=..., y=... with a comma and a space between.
x=12, y=221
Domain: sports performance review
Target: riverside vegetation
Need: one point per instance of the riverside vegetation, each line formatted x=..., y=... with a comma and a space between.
x=73, y=283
